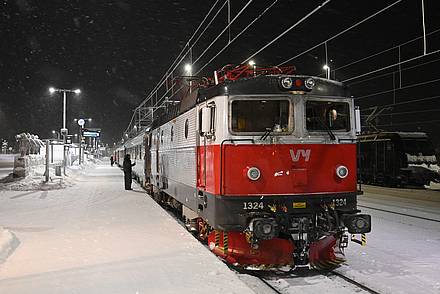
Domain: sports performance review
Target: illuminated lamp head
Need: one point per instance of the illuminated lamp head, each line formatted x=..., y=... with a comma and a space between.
x=286, y=83
x=309, y=83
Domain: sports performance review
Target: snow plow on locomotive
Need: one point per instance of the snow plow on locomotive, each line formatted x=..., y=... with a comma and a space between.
x=262, y=165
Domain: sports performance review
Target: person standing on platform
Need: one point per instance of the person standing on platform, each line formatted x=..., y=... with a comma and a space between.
x=126, y=166
x=112, y=160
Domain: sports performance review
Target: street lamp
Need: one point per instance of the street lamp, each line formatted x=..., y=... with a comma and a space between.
x=57, y=134
x=254, y=66
x=327, y=70
x=64, y=129
x=64, y=91
x=81, y=122
x=188, y=69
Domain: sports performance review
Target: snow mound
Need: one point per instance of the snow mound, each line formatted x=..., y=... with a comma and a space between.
x=6, y=240
x=32, y=183
x=36, y=180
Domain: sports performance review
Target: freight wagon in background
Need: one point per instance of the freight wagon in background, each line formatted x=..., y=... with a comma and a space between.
x=398, y=159
x=260, y=162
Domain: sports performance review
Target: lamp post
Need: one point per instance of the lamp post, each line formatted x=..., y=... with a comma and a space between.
x=81, y=122
x=64, y=129
x=188, y=70
x=57, y=134
x=327, y=70
x=254, y=66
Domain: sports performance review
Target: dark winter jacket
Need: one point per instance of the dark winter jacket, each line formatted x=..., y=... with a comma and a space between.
x=127, y=165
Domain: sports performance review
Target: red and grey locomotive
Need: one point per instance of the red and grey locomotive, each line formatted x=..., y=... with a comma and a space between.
x=261, y=162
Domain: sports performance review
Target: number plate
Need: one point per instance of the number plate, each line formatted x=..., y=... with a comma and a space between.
x=338, y=202
x=253, y=205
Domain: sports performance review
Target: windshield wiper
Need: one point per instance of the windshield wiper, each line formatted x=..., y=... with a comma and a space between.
x=327, y=128
x=266, y=134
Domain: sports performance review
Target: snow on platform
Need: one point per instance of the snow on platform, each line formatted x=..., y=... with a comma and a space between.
x=95, y=237
x=402, y=254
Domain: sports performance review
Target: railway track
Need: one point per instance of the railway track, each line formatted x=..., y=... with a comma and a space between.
x=353, y=282
x=400, y=213
x=291, y=281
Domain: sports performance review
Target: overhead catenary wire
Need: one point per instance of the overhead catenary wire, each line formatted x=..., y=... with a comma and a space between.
x=393, y=72
x=390, y=66
x=224, y=30
x=384, y=51
x=176, y=61
x=342, y=32
x=402, y=102
x=288, y=30
x=406, y=112
x=410, y=123
x=176, y=64
x=212, y=20
x=401, y=88
x=171, y=68
x=238, y=35
x=194, y=34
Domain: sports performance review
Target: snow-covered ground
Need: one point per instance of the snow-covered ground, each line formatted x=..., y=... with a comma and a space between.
x=403, y=252
x=95, y=237
x=88, y=235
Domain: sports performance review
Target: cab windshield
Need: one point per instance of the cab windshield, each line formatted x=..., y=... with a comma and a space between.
x=327, y=115
x=260, y=115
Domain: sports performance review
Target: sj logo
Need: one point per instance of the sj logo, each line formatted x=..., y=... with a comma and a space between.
x=296, y=155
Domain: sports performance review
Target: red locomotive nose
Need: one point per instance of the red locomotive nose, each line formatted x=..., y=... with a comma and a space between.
x=288, y=169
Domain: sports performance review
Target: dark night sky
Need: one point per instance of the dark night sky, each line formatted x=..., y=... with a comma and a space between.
x=116, y=51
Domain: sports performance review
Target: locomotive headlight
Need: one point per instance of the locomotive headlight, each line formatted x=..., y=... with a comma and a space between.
x=357, y=223
x=267, y=229
x=264, y=228
x=342, y=171
x=253, y=173
x=310, y=83
x=287, y=83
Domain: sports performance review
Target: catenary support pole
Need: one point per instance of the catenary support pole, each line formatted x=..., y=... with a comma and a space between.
x=64, y=134
x=46, y=173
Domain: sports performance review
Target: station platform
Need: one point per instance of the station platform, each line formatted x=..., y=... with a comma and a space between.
x=96, y=237
x=407, y=193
